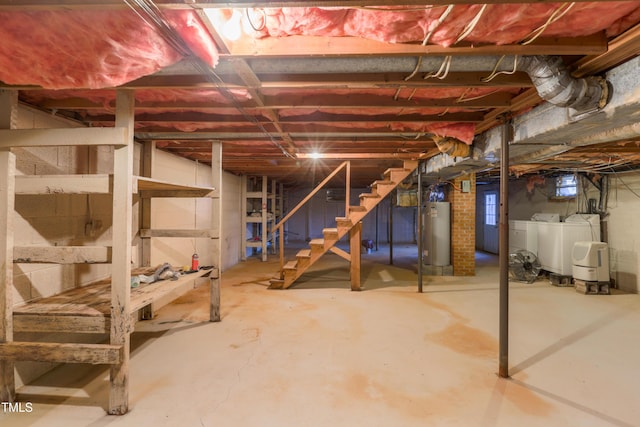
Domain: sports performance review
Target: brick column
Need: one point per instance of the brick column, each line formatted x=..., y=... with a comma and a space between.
x=463, y=226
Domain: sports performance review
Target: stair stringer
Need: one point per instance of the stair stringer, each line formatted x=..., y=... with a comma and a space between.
x=292, y=270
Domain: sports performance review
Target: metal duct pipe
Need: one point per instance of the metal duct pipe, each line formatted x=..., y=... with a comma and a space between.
x=452, y=146
x=555, y=84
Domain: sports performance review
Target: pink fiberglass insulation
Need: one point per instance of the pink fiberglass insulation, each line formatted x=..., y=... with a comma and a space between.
x=498, y=23
x=91, y=49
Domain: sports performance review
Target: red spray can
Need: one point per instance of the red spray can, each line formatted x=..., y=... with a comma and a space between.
x=194, y=262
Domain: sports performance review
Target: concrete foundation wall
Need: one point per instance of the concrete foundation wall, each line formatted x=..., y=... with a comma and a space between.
x=319, y=213
x=622, y=231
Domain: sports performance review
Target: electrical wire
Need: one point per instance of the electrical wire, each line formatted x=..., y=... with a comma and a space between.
x=555, y=16
x=264, y=19
x=152, y=15
x=471, y=25
x=443, y=72
x=494, y=73
x=625, y=184
x=439, y=22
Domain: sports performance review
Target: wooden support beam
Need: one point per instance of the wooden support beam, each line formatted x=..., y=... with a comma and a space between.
x=355, y=242
x=63, y=137
x=341, y=253
x=8, y=115
x=216, y=224
x=62, y=254
x=121, y=264
x=96, y=354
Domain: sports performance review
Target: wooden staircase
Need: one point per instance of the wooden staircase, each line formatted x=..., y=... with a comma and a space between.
x=305, y=258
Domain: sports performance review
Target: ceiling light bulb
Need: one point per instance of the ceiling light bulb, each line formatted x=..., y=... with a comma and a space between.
x=232, y=29
x=315, y=155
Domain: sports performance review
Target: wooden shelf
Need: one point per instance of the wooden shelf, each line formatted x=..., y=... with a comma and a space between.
x=103, y=184
x=88, y=309
x=149, y=187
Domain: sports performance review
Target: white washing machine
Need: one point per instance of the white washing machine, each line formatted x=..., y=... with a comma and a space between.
x=556, y=241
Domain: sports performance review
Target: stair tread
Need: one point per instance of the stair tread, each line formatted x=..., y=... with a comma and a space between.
x=291, y=265
x=304, y=253
x=317, y=242
x=357, y=208
x=329, y=230
x=382, y=182
x=372, y=195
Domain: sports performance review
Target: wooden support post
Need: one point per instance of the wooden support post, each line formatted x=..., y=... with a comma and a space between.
x=148, y=154
x=7, y=200
x=8, y=116
x=243, y=212
x=264, y=233
x=355, y=245
x=121, y=260
x=216, y=226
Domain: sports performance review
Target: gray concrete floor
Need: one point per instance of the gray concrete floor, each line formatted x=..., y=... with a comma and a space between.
x=321, y=355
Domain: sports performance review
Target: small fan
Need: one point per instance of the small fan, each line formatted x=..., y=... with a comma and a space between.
x=524, y=266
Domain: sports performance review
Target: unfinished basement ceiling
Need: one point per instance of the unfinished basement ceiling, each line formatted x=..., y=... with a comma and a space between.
x=362, y=81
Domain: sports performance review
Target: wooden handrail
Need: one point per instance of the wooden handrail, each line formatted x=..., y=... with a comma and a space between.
x=313, y=192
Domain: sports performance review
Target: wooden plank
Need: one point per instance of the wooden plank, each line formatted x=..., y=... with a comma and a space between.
x=216, y=224
x=620, y=49
x=144, y=233
x=62, y=254
x=153, y=292
x=341, y=253
x=121, y=263
x=355, y=242
x=150, y=184
x=147, y=164
x=95, y=300
x=63, y=137
x=34, y=5
x=96, y=354
x=287, y=47
x=61, y=324
x=149, y=194
x=64, y=184
x=7, y=200
x=8, y=120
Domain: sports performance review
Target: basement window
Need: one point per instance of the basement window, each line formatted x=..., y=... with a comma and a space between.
x=566, y=186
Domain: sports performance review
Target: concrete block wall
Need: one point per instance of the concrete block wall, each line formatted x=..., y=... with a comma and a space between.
x=58, y=219
x=193, y=213
x=463, y=223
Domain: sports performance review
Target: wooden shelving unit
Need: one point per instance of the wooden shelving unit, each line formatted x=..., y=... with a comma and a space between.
x=262, y=209
x=111, y=306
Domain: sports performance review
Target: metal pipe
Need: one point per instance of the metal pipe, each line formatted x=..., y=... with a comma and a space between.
x=557, y=86
x=420, y=227
x=503, y=251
